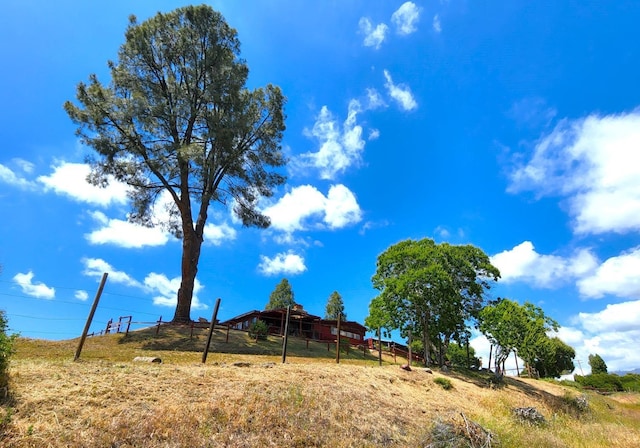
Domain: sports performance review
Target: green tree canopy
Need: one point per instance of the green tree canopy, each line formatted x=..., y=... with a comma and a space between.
x=430, y=289
x=556, y=358
x=177, y=121
x=523, y=328
x=597, y=364
x=335, y=307
x=281, y=296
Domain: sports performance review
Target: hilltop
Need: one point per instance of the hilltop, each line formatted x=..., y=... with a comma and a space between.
x=245, y=397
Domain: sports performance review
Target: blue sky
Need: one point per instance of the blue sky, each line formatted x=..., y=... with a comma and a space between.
x=513, y=126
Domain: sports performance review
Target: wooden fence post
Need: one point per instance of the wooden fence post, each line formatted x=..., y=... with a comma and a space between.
x=90, y=317
x=213, y=324
x=338, y=339
x=158, y=327
x=286, y=336
x=379, y=346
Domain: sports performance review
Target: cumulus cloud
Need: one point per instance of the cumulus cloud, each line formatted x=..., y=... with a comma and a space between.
x=34, y=289
x=283, y=263
x=125, y=234
x=162, y=289
x=217, y=234
x=400, y=93
x=70, y=179
x=617, y=276
x=613, y=333
x=594, y=162
x=305, y=207
x=523, y=263
x=81, y=295
x=373, y=36
x=406, y=18
x=340, y=147
x=165, y=291
x=95, y=267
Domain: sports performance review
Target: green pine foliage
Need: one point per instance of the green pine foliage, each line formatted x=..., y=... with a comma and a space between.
x=281, y=297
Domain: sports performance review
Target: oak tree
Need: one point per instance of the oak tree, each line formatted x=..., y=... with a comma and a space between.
x=428, y=289
x=177, y=119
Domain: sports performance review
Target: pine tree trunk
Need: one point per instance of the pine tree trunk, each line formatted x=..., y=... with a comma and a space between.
x=191, y=245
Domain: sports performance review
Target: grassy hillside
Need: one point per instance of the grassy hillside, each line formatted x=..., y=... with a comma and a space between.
x=245, y=397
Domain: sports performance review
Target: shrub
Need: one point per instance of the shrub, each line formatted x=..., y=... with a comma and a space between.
x=601, y=382
x=258, y=329
x=7, y=348
x=630, y=382
x=444, y=382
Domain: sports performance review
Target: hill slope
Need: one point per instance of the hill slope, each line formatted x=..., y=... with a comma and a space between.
x=247, y=399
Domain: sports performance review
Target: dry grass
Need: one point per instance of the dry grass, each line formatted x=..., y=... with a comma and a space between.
x=106, y=400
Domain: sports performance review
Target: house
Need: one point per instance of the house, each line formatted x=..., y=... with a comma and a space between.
x=301, y=324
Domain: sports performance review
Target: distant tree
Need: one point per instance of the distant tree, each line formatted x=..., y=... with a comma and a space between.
x=597, y=364
x=556, y=359
x=335, y=307
x=457, y=354
x=177, y=118
x=431, y=290
x=281, y=297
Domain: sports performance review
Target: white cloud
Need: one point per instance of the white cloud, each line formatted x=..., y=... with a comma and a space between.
x=370, y=225
x=406, y=18
x=82, y=295
x=373, y=37
x=125, y=234
x=33, y=289
x=217, y=234
x=283, y=263
x=400, y=93
x=617, y=276
x=24, y=165
x=339, y=148
x=613, y=333
x=615, y=317
x=95, y=267
x=71, y=179
x=374, y=99
x=295, y=210
x=437, y=26
x=373, y=134
x=165, y=291
x=595, y=163
x=341, y=207
x=523, y=263
x=9, y=177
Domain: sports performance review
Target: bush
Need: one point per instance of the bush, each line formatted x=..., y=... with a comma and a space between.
x=444, y=382
x=258, y=329
x=630, y=382
x=600, y=381
x=7, y=348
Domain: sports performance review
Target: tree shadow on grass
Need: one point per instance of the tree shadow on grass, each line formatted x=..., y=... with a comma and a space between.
x=565, y=403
